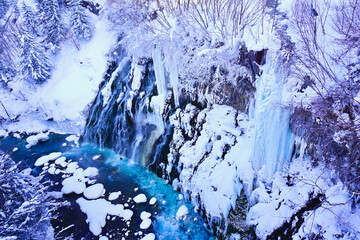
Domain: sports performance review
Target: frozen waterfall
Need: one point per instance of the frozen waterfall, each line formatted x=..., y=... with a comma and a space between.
x=273, y=140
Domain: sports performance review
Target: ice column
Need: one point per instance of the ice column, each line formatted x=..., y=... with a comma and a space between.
x=273, y=140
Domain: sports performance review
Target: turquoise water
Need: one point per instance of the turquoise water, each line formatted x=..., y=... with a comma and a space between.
x=117, y=174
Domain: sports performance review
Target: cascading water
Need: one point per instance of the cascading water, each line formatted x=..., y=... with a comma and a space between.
x=121, y=117
x=273, y=140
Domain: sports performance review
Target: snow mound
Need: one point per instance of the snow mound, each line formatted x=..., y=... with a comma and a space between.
x=94, y=191
x=145, y=215
x=91, y=172
x=34, y=139
x=60, y=161
x=149, y=236
x=47, y=158
x=141, y=198
x=114, y=195
x=73, y=185
x=182, y=212
x=72, y=138
x=145, y=224
x=152, y=201
x=71, y=167
x=97, y=211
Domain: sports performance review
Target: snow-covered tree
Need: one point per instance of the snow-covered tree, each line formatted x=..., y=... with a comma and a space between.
x=3, y=8
x=26, y=207
x=329, y=120
x=53, y=27
x=34, y=63
x=6, y=71
x=29, y=19
x=80, y=23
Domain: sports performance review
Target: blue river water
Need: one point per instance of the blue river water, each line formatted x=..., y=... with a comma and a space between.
x=116, y=174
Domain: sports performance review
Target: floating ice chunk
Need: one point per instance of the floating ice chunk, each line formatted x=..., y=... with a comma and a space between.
x=152, y=201
x=57, y=171
x=94, y=191
x=103, y=238
x=45, y=159
x=96, y=157
x=15, y=149
x=72, y=184
x=34, y=139
x=145, y=215
x=145, y=224
x=141, y=198
x=91, y=172
x=72, y=167
x=149, y=236
x=182, y=212
x=114, y=195
x=52, y=170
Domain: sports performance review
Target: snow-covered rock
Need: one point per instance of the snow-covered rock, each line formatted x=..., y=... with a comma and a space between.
x=145, y=224
x=152, y=201
x=145, y=215
x=95, y=191
x=73, y=185
x=114, y=195
x=91, y=172
x=34, y=139
x=97, y=211
x=182, y=212
x=47, y=158
x=149, y=236
x=141, y=198
x=71, y=167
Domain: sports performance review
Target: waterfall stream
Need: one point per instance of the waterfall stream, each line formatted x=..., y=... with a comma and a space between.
x=121, y=117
